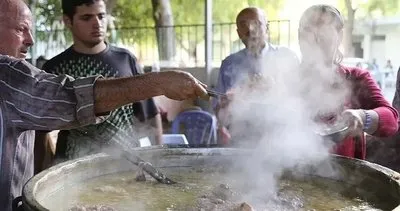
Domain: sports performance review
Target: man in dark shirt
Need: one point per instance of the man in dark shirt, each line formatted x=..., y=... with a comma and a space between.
x=91, y=55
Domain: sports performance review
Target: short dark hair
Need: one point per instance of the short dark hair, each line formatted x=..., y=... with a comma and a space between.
x=69, y=6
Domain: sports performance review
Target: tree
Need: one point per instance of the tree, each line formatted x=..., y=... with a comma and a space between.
x=133, y=25
x=224, y=13
x=111, y=5
x=47, y=12
x=32, y=6
x=376, y=8
x=366, y=9
x=348, y=29
x=165, y=32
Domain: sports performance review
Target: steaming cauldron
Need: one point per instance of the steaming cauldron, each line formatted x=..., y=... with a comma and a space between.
x=39, y=189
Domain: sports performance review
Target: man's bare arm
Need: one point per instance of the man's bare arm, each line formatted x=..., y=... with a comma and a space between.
x=113, y=93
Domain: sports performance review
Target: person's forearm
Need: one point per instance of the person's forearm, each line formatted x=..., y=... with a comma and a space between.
x=383, y=122
x=110, y=94
x=49, y=101
x=374, y=125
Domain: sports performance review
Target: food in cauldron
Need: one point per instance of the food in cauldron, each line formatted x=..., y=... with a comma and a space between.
x=215, y=178
x=203, y=190
x=91, y=208
x=110, y=189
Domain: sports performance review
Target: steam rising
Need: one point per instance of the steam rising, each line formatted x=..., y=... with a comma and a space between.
x=275, y=116
x=123, y=140
x=256, y=37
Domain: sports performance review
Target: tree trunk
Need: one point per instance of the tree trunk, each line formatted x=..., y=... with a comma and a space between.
x=113, y=39
x=162, y=14
x=110, y=6
x=32, y=6
x=348, y=30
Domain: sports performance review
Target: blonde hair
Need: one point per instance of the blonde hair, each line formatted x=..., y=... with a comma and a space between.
x=314, y=16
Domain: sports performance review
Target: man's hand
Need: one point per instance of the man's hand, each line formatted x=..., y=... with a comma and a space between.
x=114, y=92
x=355, y=120
x=178, y=85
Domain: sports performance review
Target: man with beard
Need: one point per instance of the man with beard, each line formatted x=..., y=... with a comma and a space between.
x=87, y=21
x=250, y=66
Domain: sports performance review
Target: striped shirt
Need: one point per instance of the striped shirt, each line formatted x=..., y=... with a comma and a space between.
x=31, y=99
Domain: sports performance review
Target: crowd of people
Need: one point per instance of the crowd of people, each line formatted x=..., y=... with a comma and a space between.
x=97, y=94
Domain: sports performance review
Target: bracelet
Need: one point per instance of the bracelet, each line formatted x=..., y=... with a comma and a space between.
x=368, y=121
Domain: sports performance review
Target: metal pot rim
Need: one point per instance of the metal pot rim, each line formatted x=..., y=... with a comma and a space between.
x=31, y=203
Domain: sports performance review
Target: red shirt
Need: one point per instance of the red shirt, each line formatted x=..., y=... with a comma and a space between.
x=367, y=95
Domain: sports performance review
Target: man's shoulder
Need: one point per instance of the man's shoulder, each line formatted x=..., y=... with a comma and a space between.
x=284, y=55
x=121, y=51
x=8, y=59
x=356, y=73
x=282, y=50
x=236, y=54
x=15, y=63
x=234, y=57
x=56, y=60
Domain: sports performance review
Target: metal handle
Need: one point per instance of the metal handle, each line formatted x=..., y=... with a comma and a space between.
x=17, y=204
x=213, y=93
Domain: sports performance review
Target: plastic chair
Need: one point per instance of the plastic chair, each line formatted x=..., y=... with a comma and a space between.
x=174, y=139
x=199, y=127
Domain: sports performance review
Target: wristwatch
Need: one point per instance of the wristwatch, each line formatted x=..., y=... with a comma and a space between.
x=368, y=121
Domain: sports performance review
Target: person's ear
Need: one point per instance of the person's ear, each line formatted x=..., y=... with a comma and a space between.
x=340, y=37
x=239, y=33
x=67, y=21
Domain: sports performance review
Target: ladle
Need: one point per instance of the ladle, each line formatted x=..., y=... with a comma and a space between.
x=143, y=165
x=216, y=94
x=148, y=168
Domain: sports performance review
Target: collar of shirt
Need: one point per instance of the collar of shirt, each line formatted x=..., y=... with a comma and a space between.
x=263, y=51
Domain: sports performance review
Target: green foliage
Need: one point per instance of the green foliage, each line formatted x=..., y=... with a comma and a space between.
x=380, y=7
x=131, y=13
x=372, y=8
x=139, y=12
x=271, y=7
x=134, y=21
x=47, y=12
x=224, y=11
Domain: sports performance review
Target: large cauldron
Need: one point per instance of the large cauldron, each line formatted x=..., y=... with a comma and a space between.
x=382, y=181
